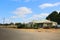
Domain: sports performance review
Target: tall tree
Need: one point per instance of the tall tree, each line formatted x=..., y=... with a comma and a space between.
x=53, y=16
x=58, y=18
x=19, y=25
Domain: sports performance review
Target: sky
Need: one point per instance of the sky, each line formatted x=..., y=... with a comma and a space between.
x=26, y=10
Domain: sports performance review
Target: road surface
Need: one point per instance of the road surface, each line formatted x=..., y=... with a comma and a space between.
x=14, y=34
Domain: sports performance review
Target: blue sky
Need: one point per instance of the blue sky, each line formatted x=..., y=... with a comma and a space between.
x=26, y=10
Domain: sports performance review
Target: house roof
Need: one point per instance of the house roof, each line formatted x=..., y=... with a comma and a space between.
x=42, y=21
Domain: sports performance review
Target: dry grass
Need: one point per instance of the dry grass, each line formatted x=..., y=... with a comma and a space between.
x=37, y=30
x=40, y=30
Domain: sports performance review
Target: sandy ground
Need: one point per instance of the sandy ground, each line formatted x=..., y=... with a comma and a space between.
x=40, y=30
x=37, y=30
x=29, y=34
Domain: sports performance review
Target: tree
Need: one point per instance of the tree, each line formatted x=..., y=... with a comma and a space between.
x=11, y=23
x=58, y=19
x=23, y=25
x=19, y=25
x=52, y=16
x=35, y=26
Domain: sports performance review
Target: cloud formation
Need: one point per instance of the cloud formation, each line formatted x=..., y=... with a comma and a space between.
x=45, y=5
x=22, y=11
x=58, y=11
x=39, y=16
x=36, y=17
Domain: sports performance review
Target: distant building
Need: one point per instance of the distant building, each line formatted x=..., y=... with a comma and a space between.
x=43, y=23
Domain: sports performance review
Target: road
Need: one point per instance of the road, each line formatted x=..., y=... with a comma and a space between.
x=14, y=34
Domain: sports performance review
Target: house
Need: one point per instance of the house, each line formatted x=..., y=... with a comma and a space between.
x=43, y=23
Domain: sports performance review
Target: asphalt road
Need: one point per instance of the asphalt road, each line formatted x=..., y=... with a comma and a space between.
x=13, y=34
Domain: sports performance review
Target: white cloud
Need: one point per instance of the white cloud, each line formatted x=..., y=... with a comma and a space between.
x=39, y=16
x=7, y=21
x=22, y=11
x=45, y=5
x=36, y=17
x=58, y=11
x=13, y=17
x=32, y=17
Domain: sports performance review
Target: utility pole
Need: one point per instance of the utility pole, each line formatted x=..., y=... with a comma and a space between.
x=3, y=20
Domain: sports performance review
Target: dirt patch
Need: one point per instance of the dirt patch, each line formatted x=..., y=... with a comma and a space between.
x=40, y=30
x=37, y=30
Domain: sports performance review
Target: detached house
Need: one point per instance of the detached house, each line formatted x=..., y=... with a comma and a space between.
x=44, y=23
